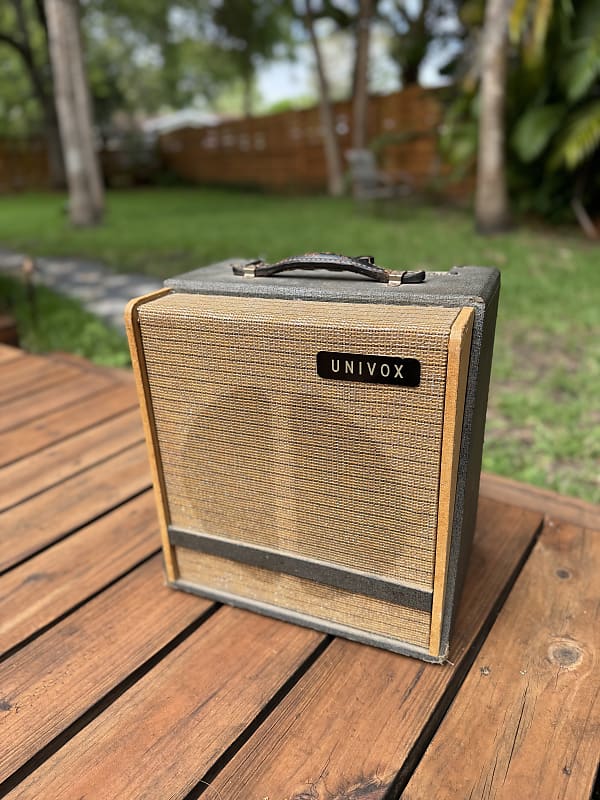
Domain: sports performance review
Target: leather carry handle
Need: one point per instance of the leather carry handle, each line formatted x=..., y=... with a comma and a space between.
x=362, y=265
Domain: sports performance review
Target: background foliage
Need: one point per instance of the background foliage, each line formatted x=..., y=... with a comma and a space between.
x=553, y=105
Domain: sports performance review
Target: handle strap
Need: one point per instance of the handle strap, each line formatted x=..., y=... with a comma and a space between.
x=361, y=265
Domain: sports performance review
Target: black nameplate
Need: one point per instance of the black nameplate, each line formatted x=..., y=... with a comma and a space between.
x=369, y=369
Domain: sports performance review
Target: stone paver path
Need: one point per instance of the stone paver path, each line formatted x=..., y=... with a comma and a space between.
x=101, y=291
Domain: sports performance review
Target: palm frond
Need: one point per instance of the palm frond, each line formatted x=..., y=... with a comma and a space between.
x=517, y=20
x=541, y=22
x=587, y=18
x=582, y=67
x=535, y=129
x=528, y=24
x=580, y=139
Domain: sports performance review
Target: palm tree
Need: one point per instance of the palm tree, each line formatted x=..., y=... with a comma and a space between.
x=361, y=76
x=86, y=192
x=561, y=127
x=335, y=178
x=25, y=30
x=491, y=195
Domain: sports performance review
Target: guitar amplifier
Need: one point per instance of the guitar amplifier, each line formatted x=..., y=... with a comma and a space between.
x=315, y=430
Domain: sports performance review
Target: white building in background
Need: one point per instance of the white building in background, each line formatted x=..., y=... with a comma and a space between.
x=174, y=120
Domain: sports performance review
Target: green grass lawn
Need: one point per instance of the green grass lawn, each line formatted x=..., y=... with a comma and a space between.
x=52, y=322
x=544, y=417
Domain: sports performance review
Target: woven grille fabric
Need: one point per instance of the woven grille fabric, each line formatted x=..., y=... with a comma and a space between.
x=305, y=596
x=256, y=446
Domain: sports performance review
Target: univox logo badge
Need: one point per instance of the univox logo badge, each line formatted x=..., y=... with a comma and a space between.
x=369, y=369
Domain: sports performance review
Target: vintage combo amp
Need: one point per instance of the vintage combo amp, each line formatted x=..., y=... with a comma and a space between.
x=315, y=430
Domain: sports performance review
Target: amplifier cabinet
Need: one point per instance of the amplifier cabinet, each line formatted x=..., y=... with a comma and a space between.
x=316, y=443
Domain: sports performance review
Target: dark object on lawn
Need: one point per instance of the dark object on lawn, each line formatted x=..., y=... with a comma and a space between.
x=9, y=333
x=28, y=269
x=316, y=439
x=370, y=183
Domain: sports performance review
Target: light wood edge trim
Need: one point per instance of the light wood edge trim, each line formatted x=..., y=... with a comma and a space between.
x=459, y=347
x=143, y=392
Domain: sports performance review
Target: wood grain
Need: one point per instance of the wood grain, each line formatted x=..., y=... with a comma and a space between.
x=73, y=359
x=54, y=464
x=561, y=508
x=347, y=728
x=40, y=590
x=8, y=353
x=48, y=516
x=160, y=737
x=16, y=412
x=22, y=378
x=13, y=369
x=459, y=348
x=56, y=425
x=526, y=720
x=57, y=677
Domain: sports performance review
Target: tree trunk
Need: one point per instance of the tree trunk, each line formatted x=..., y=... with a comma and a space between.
x=55, y=154
x=491, y=198
x=247, y=85
x=41, y=86
x=360, y=117
x=335, y=178
x=580, y=211
x=86, y=192
x=56, y=160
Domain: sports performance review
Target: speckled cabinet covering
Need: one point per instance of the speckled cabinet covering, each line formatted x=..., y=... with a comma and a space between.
x=347, y=506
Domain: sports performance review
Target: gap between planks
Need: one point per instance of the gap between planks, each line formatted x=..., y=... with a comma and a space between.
x=49, y=684
x=356, y=719
x=56, y=463
x=43, y=590
x=182, y=703
x=526, y=719
x=34, y=435
x=32, y=526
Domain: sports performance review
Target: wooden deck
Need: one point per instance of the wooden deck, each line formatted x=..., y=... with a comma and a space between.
x=113, y=686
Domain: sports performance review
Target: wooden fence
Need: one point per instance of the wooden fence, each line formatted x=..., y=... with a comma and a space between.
x=284, y=152
x=279, y=152
x=23, y=165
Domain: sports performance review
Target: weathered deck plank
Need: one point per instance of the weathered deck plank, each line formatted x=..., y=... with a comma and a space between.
x=28, y=527
x=18, y=379
x=48, y=428
x=52, y=681
x=526, y=721
x=159, y=738
x=16, y=412
x=8, y=353
x=44, y=588
x=54, y=464
x=352, y=722
x=562, y=508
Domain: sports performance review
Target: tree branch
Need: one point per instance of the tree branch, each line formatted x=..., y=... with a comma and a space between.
x=401, y=12
x=24, y=50
x=14, y=43
x=41, y=12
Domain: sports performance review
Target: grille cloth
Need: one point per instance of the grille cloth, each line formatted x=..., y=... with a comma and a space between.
x=308, y=597
x=256, y=447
